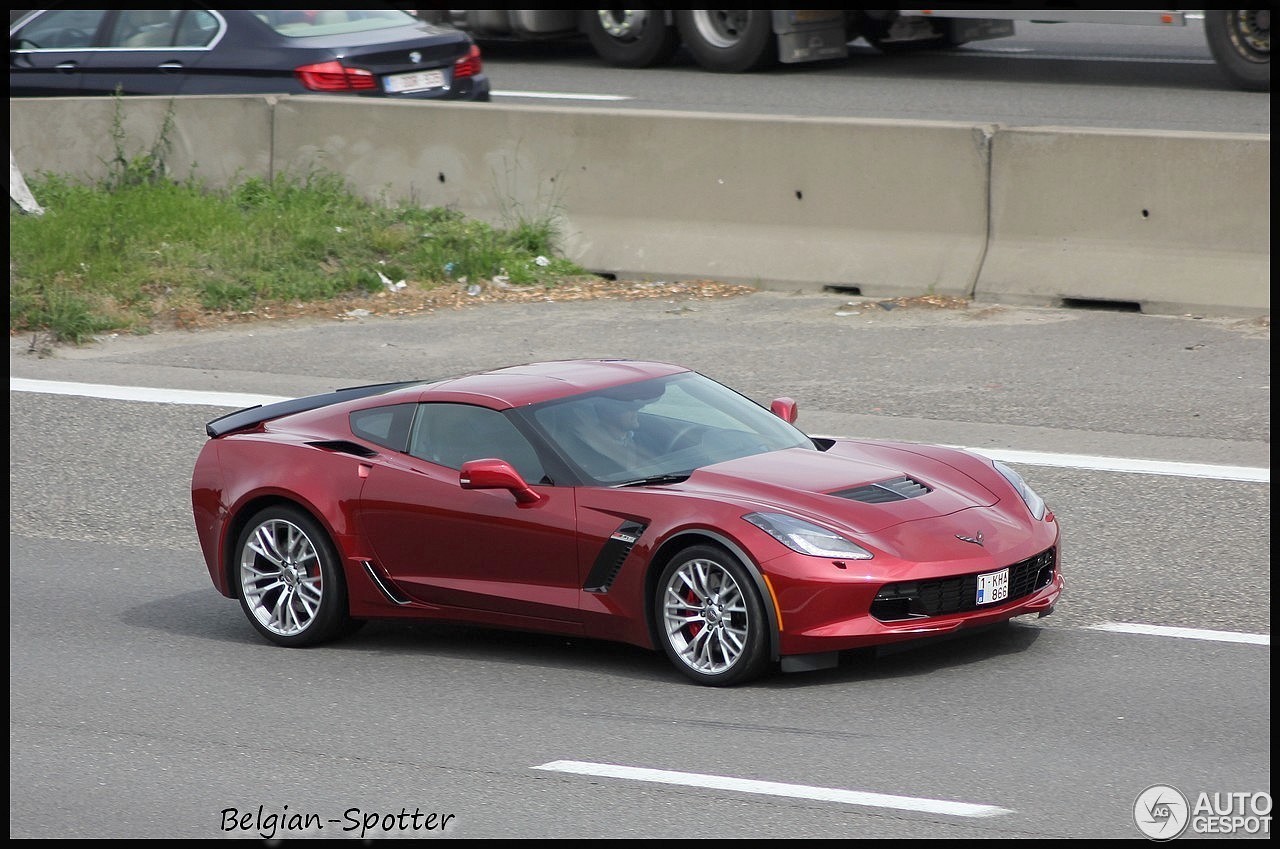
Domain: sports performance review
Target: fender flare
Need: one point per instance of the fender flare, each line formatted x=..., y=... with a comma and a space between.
x=749, y=563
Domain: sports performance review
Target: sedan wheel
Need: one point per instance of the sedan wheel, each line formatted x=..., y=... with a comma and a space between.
x=710, y=618
x=289, y=582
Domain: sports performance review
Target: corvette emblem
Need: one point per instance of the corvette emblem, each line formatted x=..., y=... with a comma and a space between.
x=415, y=57
x=976, y=539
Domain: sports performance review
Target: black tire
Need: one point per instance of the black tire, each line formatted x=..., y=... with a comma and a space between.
x=728, y=41
x=289, y=579
x=710, y=619
x=637, y=38
x=1240, y=41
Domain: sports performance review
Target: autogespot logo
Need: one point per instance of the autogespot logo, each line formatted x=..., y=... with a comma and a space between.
x=1161, y=812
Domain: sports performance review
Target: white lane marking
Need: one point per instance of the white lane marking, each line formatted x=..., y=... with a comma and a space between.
x=143, y=393
x=1031, y=458
x=774, y=788
x=1121, y=464
x=1184, y=633
x=1029, y=53
x=551, y=95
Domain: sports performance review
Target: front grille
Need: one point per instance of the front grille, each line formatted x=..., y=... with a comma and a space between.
x=897, y=489
x=920, y=599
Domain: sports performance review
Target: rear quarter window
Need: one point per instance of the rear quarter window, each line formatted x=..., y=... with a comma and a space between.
x=385, y=426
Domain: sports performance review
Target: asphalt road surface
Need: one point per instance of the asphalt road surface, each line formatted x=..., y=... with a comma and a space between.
x=1060, y=75
x=143, y=705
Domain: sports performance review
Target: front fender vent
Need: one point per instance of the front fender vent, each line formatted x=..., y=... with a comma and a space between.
x=896, y=489
x=611, y=557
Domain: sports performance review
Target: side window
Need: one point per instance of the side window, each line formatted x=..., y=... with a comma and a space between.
x=144, y=28
x=451, y=434
x=62, y=29
x=385, y=426
x=196, y=29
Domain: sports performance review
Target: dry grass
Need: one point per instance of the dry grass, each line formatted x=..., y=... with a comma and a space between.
x=412, y=300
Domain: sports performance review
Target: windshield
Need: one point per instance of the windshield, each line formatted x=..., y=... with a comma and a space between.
x=661, y=430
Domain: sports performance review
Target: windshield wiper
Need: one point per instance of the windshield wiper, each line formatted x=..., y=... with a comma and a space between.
x=669, y=477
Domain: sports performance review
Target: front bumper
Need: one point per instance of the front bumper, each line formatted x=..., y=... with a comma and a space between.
x=833, y=612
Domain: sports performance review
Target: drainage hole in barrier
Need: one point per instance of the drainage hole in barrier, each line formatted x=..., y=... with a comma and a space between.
x=1098, y=304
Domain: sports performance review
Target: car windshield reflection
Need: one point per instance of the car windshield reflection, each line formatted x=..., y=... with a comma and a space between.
x=661, y=430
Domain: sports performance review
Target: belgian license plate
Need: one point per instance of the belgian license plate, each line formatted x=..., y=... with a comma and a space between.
x=413, y=81
x=993, y=587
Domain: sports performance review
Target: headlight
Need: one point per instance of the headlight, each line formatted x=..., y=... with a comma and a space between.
x=1034, y=502
x=806, y=537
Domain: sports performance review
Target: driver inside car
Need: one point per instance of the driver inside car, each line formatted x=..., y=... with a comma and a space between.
x=614, y=435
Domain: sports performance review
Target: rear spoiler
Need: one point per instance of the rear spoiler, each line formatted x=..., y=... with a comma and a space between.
x=256, y=415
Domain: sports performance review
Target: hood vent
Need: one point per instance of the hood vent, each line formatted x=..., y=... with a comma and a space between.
x=896, y=489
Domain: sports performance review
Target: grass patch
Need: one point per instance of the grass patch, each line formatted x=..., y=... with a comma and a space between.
x=140, y=249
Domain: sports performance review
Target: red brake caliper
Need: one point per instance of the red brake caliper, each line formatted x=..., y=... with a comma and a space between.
x=694, y=627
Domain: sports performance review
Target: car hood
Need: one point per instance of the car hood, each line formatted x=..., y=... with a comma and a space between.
x=865, y=487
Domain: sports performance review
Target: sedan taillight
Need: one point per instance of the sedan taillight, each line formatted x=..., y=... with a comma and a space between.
x=334, y=76
x=469, y=65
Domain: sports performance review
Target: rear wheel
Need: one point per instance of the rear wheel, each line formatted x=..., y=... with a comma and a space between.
x=289, y=578
x=1240, y=40
x=630, y=38
x=730, y=41
x=711, y=621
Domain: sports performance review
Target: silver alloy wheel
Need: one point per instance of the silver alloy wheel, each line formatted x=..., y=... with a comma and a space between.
x=281, y=578
x=706, y=616
x=721, y=28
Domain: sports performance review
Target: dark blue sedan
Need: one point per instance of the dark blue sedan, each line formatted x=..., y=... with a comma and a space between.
x=368, y=52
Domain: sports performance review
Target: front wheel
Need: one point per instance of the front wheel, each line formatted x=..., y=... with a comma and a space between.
x=1240, y=41
x=710, y=619
x=289, y=578
x=728, y=41
x=630, y=38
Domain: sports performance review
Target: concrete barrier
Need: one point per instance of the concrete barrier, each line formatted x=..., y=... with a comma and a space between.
x=220, y=140
x=1172, y=222
x=886, y=207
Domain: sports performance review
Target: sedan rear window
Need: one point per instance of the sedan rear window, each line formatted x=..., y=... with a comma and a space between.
x=303, y=23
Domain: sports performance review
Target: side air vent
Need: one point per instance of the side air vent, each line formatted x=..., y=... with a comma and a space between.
x=388, y=589
x=344, y=447
x=897, y=489
x=611, y=557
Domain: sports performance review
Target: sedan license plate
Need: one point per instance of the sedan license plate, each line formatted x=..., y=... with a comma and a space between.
x=993, y=587
x=413, y=81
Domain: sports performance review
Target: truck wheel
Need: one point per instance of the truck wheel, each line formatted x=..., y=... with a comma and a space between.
x=630, y=38
x=1240, y=40
x=728, y=41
